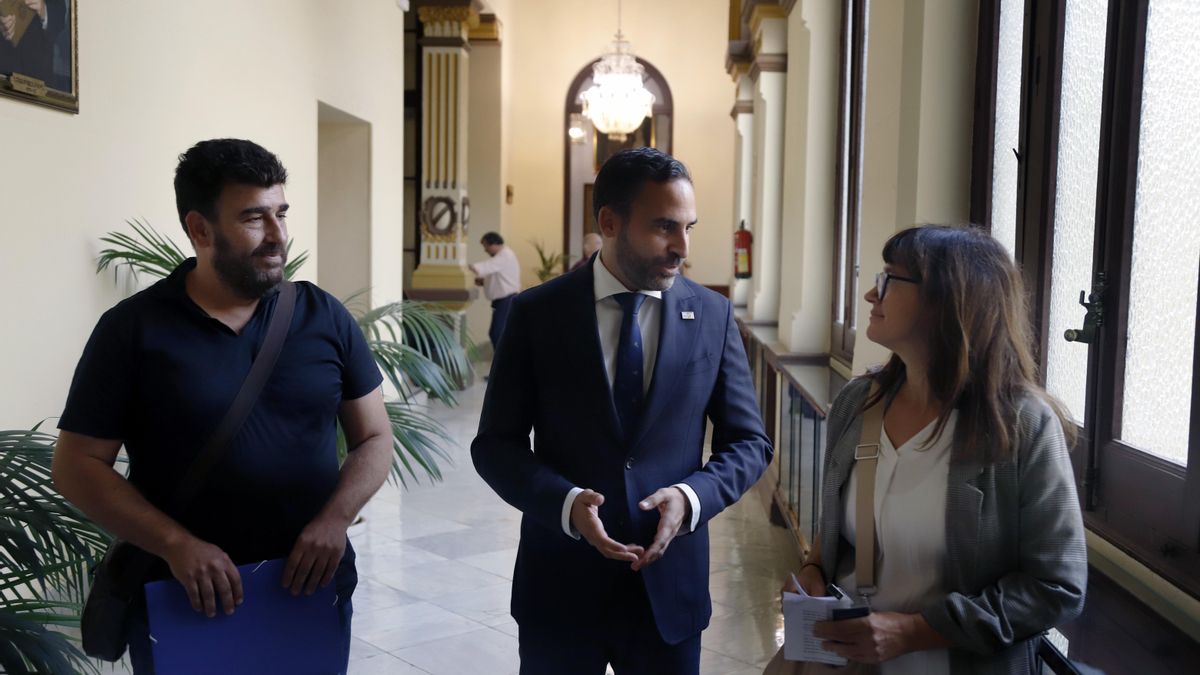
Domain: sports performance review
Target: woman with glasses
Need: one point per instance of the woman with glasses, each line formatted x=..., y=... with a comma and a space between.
x=979, y=543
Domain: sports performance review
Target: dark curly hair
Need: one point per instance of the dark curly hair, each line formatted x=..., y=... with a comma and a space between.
x=208, y=166
x=623, y=176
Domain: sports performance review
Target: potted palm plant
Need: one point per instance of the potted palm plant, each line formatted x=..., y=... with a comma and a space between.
x=550, y=264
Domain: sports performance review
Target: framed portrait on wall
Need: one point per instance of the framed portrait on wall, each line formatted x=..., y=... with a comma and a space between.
x=39, y=52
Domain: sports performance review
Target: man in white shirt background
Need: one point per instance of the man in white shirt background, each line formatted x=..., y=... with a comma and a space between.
x=500, y=276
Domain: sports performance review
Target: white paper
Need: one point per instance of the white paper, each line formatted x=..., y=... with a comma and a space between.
x=800, y=612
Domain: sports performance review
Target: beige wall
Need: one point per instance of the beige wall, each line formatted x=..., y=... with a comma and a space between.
x=549, y=42
x=344, y=205
x=155, y=77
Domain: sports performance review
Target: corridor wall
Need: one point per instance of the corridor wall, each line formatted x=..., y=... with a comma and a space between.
x=155, y=77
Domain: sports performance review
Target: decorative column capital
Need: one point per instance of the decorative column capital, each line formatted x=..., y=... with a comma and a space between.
x=738, y=58
x=754, y=11
x=487, y=30
x=443, y=14
x=768, y=34
x=447, y=23
x=768, y=63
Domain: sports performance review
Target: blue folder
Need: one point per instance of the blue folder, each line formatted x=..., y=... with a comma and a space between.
x=271, y=632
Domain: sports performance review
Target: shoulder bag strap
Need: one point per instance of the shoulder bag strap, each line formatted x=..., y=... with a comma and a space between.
x=866, y=454
x=243, y=403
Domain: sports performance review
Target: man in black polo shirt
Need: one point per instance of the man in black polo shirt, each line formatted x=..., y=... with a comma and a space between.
x=161, y=369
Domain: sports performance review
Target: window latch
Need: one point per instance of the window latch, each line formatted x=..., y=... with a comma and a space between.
x=1094, y=319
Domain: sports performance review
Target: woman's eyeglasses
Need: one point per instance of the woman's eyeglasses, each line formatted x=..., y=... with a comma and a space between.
x=882, y=279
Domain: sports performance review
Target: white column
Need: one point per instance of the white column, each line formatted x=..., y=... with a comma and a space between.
x=445, y=209
x=743, y=192
x=769, y=73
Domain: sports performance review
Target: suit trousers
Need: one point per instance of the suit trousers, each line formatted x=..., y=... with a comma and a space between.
x=621, y=633
x=500, y=309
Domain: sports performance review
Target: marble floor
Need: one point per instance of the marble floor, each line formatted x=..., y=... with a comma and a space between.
x=435, y=566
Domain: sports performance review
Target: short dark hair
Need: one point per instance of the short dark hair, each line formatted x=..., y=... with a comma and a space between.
x=208, y=166
x=623, y=176
x=492, y=239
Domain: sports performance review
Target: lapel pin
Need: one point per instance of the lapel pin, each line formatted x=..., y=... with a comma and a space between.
x=688, y=315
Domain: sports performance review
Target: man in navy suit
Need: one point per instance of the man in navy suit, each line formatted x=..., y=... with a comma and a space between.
x=617, y=367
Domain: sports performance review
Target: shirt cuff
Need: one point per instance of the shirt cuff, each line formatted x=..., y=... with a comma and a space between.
x=694, y=501
x=566, y=512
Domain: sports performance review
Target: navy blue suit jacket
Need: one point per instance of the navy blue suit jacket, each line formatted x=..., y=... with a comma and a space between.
x=548, y=376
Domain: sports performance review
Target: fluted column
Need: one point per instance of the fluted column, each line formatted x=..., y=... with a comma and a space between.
x=768, y=28
x=743, y=190
x=445, y=207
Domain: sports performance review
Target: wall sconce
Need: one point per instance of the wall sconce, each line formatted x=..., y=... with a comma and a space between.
x=575, y=130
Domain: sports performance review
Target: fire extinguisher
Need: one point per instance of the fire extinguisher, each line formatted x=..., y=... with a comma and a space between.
x=742, y=242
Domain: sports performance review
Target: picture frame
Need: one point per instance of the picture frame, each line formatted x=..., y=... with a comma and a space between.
x=39, y=52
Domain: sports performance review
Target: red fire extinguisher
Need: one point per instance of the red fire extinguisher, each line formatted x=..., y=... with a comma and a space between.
x=743, y=240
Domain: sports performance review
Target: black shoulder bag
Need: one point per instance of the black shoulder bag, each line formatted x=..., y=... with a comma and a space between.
x=118, y=578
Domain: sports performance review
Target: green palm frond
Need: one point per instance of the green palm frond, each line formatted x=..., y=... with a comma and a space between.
x=293, y=265
x=27, y=646
x=148, y=252
x=145, y=252
x=549, y=264
x=46, y=550
x=419, y=442
x=424, y=328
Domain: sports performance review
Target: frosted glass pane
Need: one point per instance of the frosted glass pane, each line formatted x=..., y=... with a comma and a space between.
x=1008, y=124
x=1166, y=237
x=1075, y=201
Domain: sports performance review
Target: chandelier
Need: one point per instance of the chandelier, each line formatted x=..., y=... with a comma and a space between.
x=618, y=101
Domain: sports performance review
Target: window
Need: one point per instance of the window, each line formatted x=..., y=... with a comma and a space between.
x=851, y=99
x=1105, y=197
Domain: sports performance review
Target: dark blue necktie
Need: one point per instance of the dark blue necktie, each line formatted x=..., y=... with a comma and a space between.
x=628, y=380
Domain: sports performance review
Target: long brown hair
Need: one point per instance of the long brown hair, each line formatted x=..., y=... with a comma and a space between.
x=979, y=336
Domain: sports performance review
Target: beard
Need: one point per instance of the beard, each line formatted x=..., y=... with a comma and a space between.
x=643, y=271
x=240, y=273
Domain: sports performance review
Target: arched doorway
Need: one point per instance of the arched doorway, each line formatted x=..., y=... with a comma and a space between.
x=582, y=158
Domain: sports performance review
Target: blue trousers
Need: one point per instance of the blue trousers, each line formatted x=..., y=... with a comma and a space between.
x=622, y=633
x=500, y=310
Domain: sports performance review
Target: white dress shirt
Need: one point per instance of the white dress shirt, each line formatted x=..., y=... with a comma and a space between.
x=501, y=274
x=910, y=528
x=609, y=316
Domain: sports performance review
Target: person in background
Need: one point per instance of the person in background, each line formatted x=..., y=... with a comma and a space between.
x=500, y=277
x=592, y=242
x=980, y=542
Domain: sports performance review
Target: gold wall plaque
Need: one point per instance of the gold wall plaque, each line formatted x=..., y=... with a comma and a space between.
x=27, y=85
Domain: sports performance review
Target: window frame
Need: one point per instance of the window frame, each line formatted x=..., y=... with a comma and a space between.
x=1112, y=477
x=852, y=76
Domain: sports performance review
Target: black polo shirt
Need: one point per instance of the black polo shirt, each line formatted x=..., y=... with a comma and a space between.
x=159, y=373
